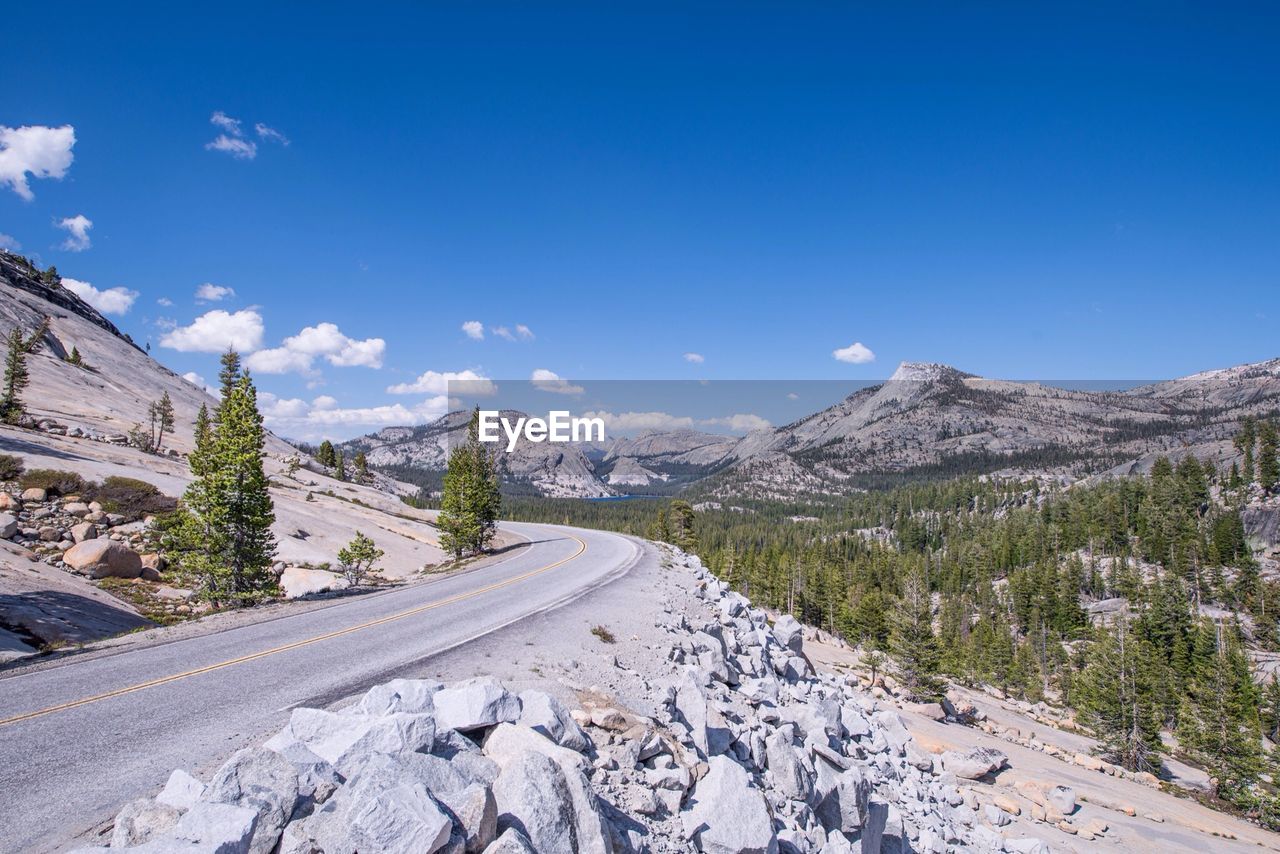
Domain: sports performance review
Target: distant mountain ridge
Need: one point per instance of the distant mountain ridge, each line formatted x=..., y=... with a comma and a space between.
x=927, y=418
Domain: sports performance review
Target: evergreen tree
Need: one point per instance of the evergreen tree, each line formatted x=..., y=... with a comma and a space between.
x=161, y=414
x=15, y=377
x=339, y=466
x=1118, y=697
x=229, y=374
x=75, y=358
x=362, y=467
x=1218, y=722
x=682, y=532
x=326, y=455
x=223, y=534
x=358, y=558
x=660, y=530
x=1268, y=464
x=912, y=642
x=469, y=508
x=1244, y=441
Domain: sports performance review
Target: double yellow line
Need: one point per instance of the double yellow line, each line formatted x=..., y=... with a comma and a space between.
x=164, y=680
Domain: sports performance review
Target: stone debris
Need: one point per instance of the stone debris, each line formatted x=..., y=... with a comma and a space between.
x=746, y=749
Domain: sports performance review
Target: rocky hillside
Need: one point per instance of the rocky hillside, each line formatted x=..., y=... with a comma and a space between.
x=110, y=391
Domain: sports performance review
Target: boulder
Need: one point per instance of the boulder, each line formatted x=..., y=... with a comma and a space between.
x=511, y=841
x=140, y=821
x=842, y=799
x=8, y=525
x=475, y=811
x=9, y=502
x=475, y=704
x=791, y=770
x=35, y=493
x=691, y=709
x=181, y=791
x=264, y=781
x=341, y=738
x=973, y=764
x=788, y=632
x=533, y=797
x=725, y=814
x=221, y=828
x=103, y=558
x=85, y=531
x=507, y=742
x=543, y=713
x=414, y=696
x=381, y=808
x=75, y=508
x=1062, y=798
x=297, y=581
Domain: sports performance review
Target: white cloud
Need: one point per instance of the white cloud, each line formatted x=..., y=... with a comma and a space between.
x=694, y=358
x=7, y=242
x=35, y=150
x=791, y=395
x=324, y=340
x=474, y=329
x=551, y=381
x=209, y=292
x=240, y=149
x=217, y=330
x=77, y=228
x=270, y=133
x=856, y=354
x=111, y=301
x=521, y=333
x=738, y=423
x=231, y=140
x=635, y=422
x=228, y=124
x=164, y=301
x=438, y=383
x=317, y=418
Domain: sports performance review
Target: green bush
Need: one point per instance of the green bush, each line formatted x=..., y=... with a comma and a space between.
x=10, y=467
x=55, y=481
x=129, y=497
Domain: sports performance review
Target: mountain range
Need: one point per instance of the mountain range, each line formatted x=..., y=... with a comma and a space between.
x=926, y=420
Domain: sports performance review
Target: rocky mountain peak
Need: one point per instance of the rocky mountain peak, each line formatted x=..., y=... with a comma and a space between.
x=19, y=273
x=924, y=372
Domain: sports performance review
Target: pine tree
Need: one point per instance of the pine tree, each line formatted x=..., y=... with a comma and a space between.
x=1268, y=464
x=339, y=466
x=682, y=532
x=161, y=415
x=660, y=530
x=912, y=642
x=228, y=374
x=469, y=508
x=75, y=358
x=1244, y=441
x=362, y=467
x=1117, y=696
x=15, y=377
x=1218, y=721
x=223, y=535
x=358, y=558
x=326, y=455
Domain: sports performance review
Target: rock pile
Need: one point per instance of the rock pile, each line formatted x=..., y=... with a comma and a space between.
x=748, y=751
x=61, y=531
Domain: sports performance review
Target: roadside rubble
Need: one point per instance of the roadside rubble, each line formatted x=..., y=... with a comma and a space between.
x=747, y=750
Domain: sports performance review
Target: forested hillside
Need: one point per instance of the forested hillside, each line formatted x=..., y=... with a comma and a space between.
x=1138, y=602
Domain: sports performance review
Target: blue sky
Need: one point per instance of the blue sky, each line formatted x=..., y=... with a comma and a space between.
x=1072, y=193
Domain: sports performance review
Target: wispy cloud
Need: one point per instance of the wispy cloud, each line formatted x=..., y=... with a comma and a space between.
x=270, y=134
x=546, y=380
x=694, y=358
x=474, y=329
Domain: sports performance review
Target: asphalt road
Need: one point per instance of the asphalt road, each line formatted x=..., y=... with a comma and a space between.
x=78, y=741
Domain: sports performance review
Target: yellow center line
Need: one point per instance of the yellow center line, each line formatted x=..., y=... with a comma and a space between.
x=164, y=680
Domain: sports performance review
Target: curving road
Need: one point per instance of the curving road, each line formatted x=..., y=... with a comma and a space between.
x=79, y=740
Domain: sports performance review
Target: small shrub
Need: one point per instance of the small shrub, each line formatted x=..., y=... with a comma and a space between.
x=55, y=481
x=131, y=498
x=10, y=467
x=603, y=634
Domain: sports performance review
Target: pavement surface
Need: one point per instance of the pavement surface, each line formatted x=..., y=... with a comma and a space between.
x=80, y=739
